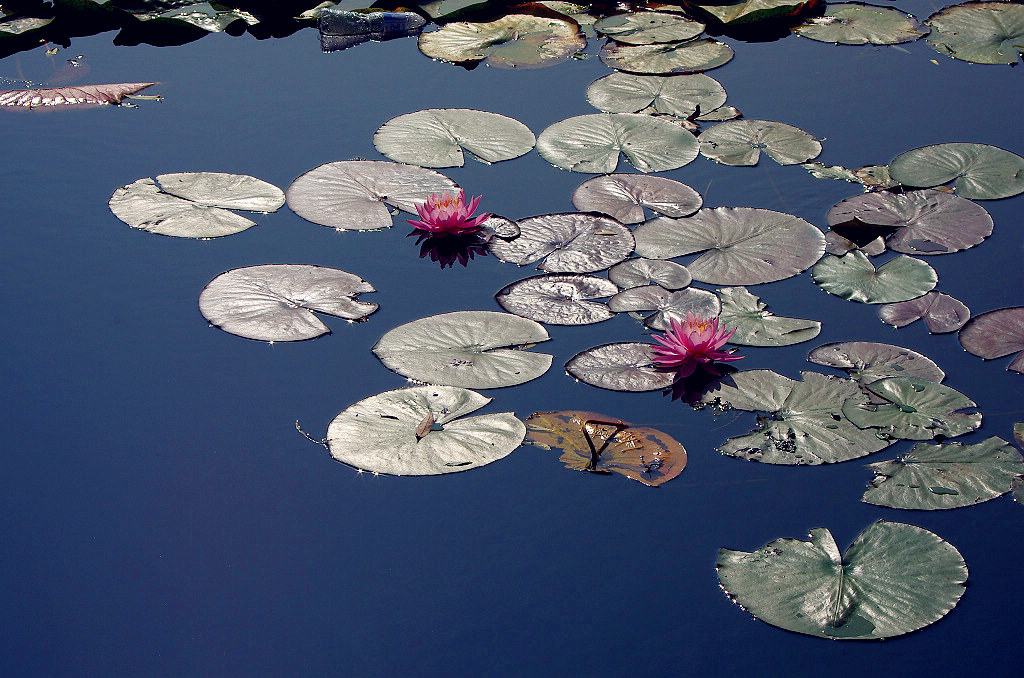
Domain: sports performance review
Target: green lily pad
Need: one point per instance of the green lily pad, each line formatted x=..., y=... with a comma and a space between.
x=592, y=143
x=626, y=366
x=22, y=23
x=894, y=579
x=665, y=304
x=513, y=41
x=941, y=312
x=736, y=12
x=422, y=431
x=740, y=245
x=740, y=142
x=472, y=349
x=980, y=171
x=868, y=361
x=638, y=272
x=755, y=326
x=996, y=334
x=852, y=23
x=853, y=277
x=559, y=299
x=945, y=476
x=678, y=95
x=807, y=425
x=624, y=197
x=915, y=409
x=979, y=32
x=568, y=243
x=645, y=28
x=1017, y=487
x=693, y=56
x=435, y=137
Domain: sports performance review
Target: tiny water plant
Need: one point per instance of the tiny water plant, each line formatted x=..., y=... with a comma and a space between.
x=694, y=341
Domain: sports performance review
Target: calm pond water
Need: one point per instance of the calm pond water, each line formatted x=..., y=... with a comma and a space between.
x=162, y=516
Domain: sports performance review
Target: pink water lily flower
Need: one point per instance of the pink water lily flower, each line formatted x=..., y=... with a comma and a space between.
x=449, y=214
x=690, y=342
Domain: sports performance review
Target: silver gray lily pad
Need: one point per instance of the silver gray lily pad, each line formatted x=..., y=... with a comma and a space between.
x=644, y=28
x=869, y=361
x=979, y=171
x=941, y=312
x=513, y=41
x=853, y=277
x=740, y=142
x=678, y=95
x=756, y=326
x=275, y=302
x=558, y=299
x=853, y=23
x=436, y=137
x=626, y=366
x=194, y=204
x=568, y=243
x=979, y=32
x=996, y=334
x=915, y=409
x=422, y=431
x=472, y=349
x=638, y=272
x=624, y=197
x=666, y=304
x=692, y=56
x=355, y=194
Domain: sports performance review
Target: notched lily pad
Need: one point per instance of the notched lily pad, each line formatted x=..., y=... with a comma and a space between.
x=385, y=433
x=692, y=56
x=436, y=137
x=979, y=171
x=945, y=476
x=756, y=326
x=740, y=142
x=852, y=23
x=853, y=277
x=73, y=96
x=513, y=41
x=624, y=197
x=645, y=28
x=666, y=304
x=678, y=95
x=600, y=444
x=626, y=366
x=869, y=361
x=941, y=312
x=638, y=272
x=915, y=409
x=559, y=299
x=979, y=32
x=894, y=579
x=996, y=334
x=568, y=243
x=275, y=302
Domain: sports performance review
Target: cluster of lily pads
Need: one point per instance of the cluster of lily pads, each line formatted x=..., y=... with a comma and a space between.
x=889, y=394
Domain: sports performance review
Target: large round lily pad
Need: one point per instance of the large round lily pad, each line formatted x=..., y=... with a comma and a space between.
x=941, y=312
x=980, y=171
x=996, y=334
x=915, y=409
x=592, y=143
x=568, y=243
x=945, y=476
x=852, y=23
x=559, y=299
x=436, y=137
x=756, y=326
x=627, y=366
x=980, y=32
x=637, y=272
x=624, y=197
x=740, y=245
x=422, y=431
x=852, y=276
x=679, y=95
x=692, y=56
x=355, y=194
x=666, y=304
x=645, y=28
x=472, y=349
x=740, y=142
x=275, y=302
x=513, y=41
x=869, y=361
x=914, y=222
x=194, y=204
x=739, y=12
x=894, y=579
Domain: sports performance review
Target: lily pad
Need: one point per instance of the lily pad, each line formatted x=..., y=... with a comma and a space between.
x=645, y=28
x=915, y=409
x=807, y=426
x=852, y=23
x=385, y=433
x=435, y=137
x=1017, y=486
x=840, y=245
x=740, y=142
x=979, y=32
x=592, y=143
x=665, y=304
x=894, y=579
x=945, y=476
x=853, y=277
x=465, y=348
x=915, y=222
x=22, y=23
x=568, y=243
x=996, y=334
x=559, y=299
x=600, y=444
x=624, y=197
x=941, y=312
x=627, y=366
x=980, y=171
x=194, y=204
x=692, y=56
x=275, y=302
x=679, y=95
x=77, y=96
x=740, y=245
x=869, y=361
x=638, y=272
x=736, y=12
x=355, y=194
x=513, y=41
x=755, y=326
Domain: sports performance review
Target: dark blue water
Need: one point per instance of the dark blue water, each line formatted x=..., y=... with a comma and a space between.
x=162, y=517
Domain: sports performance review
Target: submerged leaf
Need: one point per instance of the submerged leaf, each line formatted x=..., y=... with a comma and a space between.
x=638, y=272
x=996, y=334
x=666, y=304
x=275, y=302
x=386, y=433
x=980, y=32
x=513, y=41
x=76, y=96
x=755, y=326
x=624, y=197
x=692, y=56
x=941, y=312
x=980, y=171
x=678, y=95
x=853, y=277
x=740, y=142
x=869, y=361
x=894, y=579
x=915, y=409
x=559, y=299
x=435, y=137
x=856, y=24
x=627, y=366
x=568, y=243
x=645, y=28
